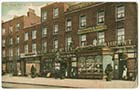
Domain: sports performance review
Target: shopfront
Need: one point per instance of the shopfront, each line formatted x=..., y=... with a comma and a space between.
x=27, y=62
x=92, y=63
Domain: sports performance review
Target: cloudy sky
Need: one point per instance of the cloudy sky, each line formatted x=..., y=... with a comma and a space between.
x=10, y=9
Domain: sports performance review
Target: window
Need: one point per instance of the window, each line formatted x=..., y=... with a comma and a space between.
x=44, y=46
x=3, y=42
x=44, y=16
x=55, y=28
x=18, y=27
x=3, y=31
x=68, y=25
x=17, y=39
x=11, y=41
x=68, y=43
x=11, y=29
x=120, y=12
x=82, y=21
x=94, y=42
x=26, y=49
x=90, y=64
x=17, y=51
x=11, y=52
x=101, y=38
x=101, y=17
x=26, y=36
x=55, y=12
x=3, y=53
x=34, y=34
x=34, y=48
x=44, y=31
x=82, y=40
x=55, y=44
x=121, y=35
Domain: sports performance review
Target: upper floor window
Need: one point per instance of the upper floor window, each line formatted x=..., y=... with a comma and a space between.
x=68, y=25
x=82, y=40
x=34, y=34
x=44, y=46
x=82, y=21
x=68, y=43
x=26, y=49
x=55, y=44
x=3, y=31
x=120, y=12
x=18, y=27
x=17, y=39
x=17, y=51
x=44, y=16
x=3, y=42
x=11, y=29
x=101, y=38
x=120, y=35
x=11, y=52
x=26, y=36
x=101, y=17
x=44, y=31
x=11, y=41
x=34, y=50
x=94, y=42
x=55, y=12
x=55, y=28
x=3, y=53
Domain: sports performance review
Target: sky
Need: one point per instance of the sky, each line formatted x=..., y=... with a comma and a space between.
x=10, y=9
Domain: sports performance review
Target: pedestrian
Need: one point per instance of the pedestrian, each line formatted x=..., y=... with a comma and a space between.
x=108, y=72
x=33, y=71
x=124, y=74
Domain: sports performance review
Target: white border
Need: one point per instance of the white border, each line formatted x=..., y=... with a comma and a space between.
x=138, y=2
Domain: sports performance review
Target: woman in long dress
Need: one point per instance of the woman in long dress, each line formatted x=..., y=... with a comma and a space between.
x=124, y=75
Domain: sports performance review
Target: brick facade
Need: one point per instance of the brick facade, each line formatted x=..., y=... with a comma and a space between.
x=32, y=22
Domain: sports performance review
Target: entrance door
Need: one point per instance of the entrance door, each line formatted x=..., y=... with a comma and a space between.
x=122, y=62
x=121, y=67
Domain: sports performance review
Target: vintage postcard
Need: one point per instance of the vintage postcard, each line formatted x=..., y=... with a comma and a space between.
x=69, y=45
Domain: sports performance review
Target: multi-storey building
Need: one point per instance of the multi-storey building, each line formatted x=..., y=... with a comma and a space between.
x=12, y=39
x=81, y=40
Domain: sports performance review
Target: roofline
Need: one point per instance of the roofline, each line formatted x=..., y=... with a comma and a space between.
x=13, y=19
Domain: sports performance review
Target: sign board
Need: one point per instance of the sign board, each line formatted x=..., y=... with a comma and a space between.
x=92, y=29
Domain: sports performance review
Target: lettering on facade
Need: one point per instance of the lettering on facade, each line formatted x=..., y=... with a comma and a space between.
x=92, y=29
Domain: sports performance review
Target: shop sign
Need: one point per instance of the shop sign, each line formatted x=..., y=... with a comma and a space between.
x=92, y=29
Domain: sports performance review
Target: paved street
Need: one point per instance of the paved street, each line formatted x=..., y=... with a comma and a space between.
x=27, y=82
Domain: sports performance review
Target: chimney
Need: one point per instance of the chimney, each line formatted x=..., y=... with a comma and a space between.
x=31, y=12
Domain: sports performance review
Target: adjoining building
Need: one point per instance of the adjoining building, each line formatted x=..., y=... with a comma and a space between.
x=12, y=40
x=80, y=40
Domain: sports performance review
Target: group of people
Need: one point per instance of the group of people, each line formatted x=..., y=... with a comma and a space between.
x=109, y=72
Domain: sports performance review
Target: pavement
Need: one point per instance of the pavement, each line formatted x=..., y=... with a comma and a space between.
x=68, y=83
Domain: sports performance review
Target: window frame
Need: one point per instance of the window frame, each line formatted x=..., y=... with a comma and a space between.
x=102, y=17
x=83, y=42
x=101, y=38
x=55, y=14
x=122, y=17
x=34, y=34
x=82, y=22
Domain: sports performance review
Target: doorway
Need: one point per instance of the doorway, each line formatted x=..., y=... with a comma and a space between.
x=122, y=62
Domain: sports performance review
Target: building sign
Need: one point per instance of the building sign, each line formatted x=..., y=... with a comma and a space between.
x=92, y=29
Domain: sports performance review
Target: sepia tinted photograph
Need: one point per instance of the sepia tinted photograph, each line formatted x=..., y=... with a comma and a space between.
x=69, y=45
